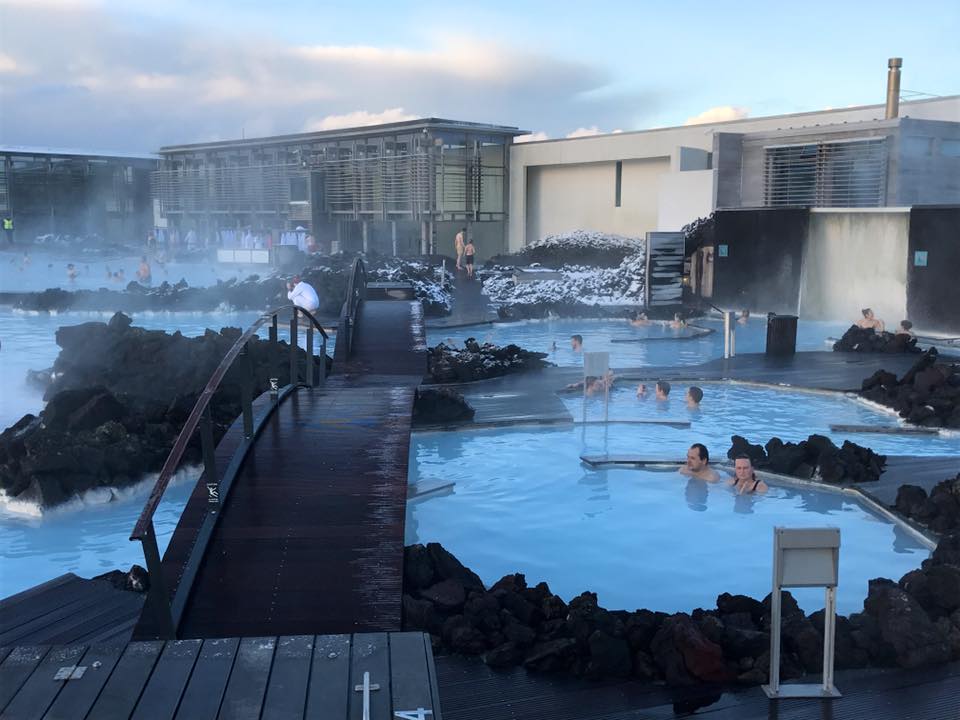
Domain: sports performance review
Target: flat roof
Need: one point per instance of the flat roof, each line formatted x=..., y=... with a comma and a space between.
x=36, y=150
x=359, y=131
x=746, y=120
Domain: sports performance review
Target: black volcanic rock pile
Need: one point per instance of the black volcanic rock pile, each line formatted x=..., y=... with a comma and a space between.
x=913, y=623
x=118, y=399
x=940, y=511
x=815, y=458
x=440, y=405
x=928, y=394
x=858, y=339
x=479, y=362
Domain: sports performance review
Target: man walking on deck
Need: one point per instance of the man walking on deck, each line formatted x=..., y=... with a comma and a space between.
x=459, y=242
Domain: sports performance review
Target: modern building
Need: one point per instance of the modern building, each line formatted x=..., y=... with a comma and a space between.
x=401, y=188
x=77, y=193
x=632, y=183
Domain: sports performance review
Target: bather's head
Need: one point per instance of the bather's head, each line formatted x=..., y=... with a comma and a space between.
x=867, y=313
x=663, y=390
x=694, y=395
x=576, y=342
x=906, y=325
x=743, y=469
x=698, y=457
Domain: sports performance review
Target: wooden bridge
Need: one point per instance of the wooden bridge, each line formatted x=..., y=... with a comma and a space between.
x=297, y=525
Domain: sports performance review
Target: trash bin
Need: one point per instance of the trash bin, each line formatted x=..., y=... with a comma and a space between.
x=781, y=334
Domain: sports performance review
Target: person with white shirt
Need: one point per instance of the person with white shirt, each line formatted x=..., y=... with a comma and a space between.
x=303, y=295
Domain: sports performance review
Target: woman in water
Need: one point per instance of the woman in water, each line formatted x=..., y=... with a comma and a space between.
x=745, y=480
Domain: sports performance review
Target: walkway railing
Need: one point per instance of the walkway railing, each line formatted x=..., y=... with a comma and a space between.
x=163, y=611
x=356, y=294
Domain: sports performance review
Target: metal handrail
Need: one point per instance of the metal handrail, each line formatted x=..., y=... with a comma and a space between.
x=200, y=416
x=356, y=293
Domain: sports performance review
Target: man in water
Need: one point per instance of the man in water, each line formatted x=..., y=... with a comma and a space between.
x=458, y=244
x=745, y=480
x=302, y=294
x=576, y=343
x=744, y=317
x=869, y=321
x=698, y=464
x=71, y=272
x=640, y=320
x=663, y=390
x=694, y=396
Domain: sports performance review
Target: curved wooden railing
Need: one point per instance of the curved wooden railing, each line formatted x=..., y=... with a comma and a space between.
x=356, y=294
x=161, y=611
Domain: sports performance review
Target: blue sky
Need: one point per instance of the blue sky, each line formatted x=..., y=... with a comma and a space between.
x=135, y=75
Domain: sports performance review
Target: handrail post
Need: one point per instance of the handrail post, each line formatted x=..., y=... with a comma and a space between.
x=309, y=372
x=247, y=382
x=274, y=363
x=157, y=605
x=209, y=461
x=323, y=359
x=293, y=348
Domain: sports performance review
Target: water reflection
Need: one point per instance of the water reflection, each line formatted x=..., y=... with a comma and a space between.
x=696, y=494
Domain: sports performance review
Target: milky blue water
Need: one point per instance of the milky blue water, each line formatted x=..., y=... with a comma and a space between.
x=523, y=502
x=605, y=336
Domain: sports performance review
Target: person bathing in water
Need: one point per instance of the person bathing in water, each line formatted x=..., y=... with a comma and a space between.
x=745, y=480
x=678, y=323
x=869, y=321
x=698, y=464
x=640, y=320
x=744, y=317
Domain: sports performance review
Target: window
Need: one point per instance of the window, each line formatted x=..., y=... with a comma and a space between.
x=849, y=173
x=298, y=190
x=619, y=184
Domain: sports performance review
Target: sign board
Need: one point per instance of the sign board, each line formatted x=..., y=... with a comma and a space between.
x=723, y=250
x=596, y=364
x=806, y=557
x=920, y=258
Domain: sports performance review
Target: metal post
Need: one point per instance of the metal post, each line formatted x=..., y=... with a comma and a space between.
x=393, y=236
x=775, y=601
x=309, y=370
x=293, y=349
x=829, y=637
x=733, y=338
x=365, y=234
x=246, y=391
x=158, y=603
x=274, y=360
x=726, y=335
x=323, y=360
x=209, y=460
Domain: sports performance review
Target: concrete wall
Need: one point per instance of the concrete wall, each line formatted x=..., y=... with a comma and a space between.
x=761, y=270
x=682, y=196
x=934, y=289
x=561, y=198
x=853, y=260
x=924, y=172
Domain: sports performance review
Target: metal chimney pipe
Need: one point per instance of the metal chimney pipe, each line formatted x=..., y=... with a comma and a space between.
x=893, y=87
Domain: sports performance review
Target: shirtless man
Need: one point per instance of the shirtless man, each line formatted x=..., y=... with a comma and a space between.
x=745, y=480
x=869, y=321
x=640, y=320
x=694, y=396
x=662, y=392
x=698, y=464
x=576, y=343
x=744, y=317
x=459, y=243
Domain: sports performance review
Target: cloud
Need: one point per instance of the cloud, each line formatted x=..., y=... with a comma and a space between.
x=12, y=67
x=135, y=82
x=591, y=131
x=532, y=137
x=721, y=113
x=359, y=118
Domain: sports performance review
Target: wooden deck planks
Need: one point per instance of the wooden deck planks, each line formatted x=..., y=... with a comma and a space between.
x=77, y=696
x=39, y=690
x=208, y=681
x=16, y=668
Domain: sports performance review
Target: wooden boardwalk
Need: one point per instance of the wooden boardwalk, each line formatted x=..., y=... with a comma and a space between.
x=310, y=539
x=288, y=677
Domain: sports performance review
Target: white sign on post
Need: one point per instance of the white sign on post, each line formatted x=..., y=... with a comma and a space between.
x=805, y=557
x=596, y=365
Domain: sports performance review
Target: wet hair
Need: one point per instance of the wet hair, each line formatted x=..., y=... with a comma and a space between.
x=578, y=338
x=663, y=386
x=702, y=451
x=696, y=393
x=866, y=311
x=745, y=313
x=906, y=324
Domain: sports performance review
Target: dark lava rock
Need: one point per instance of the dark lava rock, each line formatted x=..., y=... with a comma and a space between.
x=118, y=399
x=947, y=551
x=447, y=595
x=502, y=656
x=438, y=406
x=417, y=568
x=904, y=624
x=858, y=339
x=928, y=394
x=940, y=511
x=609, y=656
x=728, y=604
x=479, y=362
x=551, y=655
x=420, y=615
x=447, y=567
x=684, y=655
x=816, y=457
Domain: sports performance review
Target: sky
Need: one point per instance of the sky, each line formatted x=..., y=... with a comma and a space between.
x=134, y=75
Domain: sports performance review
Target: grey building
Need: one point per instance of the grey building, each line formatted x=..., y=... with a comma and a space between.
x=78, y=193
x=897, y=162
x=401, y=188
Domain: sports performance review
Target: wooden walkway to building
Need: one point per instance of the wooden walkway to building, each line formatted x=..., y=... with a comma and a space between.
x=310, y=538
x=270, y=678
